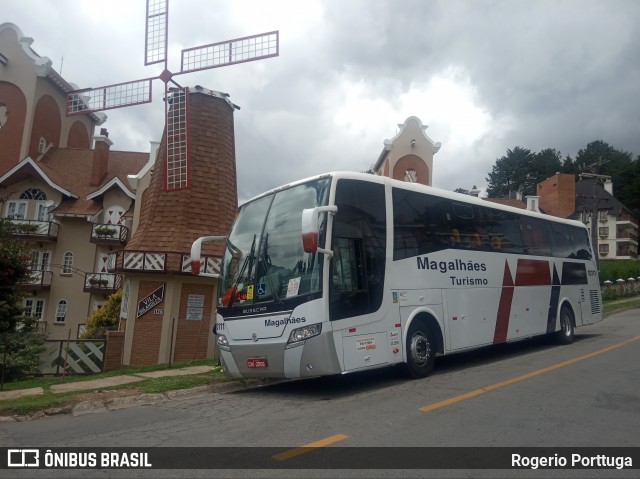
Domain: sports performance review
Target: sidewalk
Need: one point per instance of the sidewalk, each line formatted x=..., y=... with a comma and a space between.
x=105, y=382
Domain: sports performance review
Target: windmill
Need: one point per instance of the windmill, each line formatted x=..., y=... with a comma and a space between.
x=137, y=92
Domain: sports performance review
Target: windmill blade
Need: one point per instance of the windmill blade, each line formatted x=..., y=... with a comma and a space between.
x=177, y=125
x=230, y=52
x=155, y=40
x=108, y=97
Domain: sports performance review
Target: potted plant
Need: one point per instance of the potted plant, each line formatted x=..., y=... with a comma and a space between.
x=93, y=281
x=105, y=231
x=27, y=228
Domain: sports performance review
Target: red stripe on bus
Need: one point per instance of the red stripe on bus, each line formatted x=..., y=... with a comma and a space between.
x=533, y=272
x=504, y=307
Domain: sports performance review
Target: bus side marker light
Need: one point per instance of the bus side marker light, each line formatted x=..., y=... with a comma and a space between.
x=396, y=350
x=352, y=330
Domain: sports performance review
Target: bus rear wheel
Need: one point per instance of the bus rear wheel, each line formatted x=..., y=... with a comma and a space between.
x=420, y=352
x=566, y=333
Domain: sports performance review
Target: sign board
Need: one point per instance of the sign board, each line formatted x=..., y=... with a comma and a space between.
x=195, y=307
x=150, y=301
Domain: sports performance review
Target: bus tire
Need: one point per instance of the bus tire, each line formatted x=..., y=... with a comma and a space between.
x=567, y=329
x=421, y=353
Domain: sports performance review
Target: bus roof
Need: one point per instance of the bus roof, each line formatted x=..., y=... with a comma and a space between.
x=420, y=188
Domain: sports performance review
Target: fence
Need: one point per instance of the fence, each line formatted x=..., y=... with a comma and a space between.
x=80, y=356
x=620, y=288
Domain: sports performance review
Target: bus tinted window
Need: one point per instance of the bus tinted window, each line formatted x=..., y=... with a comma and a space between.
x=503, y=231
x=424, y=224
x=535, y=236
x=418, y=226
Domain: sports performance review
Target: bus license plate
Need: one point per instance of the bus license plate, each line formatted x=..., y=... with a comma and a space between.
x=254, y=363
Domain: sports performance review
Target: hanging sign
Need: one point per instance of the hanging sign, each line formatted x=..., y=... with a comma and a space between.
x=150, y=301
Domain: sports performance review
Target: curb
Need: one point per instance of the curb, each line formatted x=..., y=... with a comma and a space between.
x=148, y=399
x=90, y=407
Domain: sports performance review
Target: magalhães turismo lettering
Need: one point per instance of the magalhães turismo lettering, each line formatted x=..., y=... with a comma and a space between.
x=456, y=265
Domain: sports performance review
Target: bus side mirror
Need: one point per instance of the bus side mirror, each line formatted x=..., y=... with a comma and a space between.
x=311, y=229
x=196, y=248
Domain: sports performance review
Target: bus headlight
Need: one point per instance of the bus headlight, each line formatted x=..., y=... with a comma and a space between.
x=305, y=332
x=223, y=343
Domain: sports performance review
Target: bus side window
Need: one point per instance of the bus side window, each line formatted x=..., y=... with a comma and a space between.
x=348, y=265
x=359, y=245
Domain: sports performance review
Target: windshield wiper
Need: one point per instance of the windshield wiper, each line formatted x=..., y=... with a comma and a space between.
x=247, y=261
x=266, y=262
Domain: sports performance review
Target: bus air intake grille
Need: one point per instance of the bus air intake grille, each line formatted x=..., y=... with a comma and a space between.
x=595, y=301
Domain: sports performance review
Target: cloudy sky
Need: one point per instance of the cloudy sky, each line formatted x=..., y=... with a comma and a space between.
x=484, y=75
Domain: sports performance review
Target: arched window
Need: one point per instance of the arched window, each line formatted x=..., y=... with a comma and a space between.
x=67, y=262
x=33, y=194
x=61, y=311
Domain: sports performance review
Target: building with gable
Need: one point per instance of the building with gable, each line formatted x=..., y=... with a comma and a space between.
x=616, y=226
x=72, y=202
x=409, y=155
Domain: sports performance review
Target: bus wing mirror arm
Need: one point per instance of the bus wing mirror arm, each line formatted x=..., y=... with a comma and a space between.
x=311, y=229
x=196, y=248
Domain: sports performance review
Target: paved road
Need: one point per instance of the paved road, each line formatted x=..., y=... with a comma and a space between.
x=532, y=393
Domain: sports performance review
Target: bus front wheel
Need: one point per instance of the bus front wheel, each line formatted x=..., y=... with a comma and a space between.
x=420, y=351
x=566, y=333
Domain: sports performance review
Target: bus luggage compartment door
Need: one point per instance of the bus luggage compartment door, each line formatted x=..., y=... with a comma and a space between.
x=364, y=350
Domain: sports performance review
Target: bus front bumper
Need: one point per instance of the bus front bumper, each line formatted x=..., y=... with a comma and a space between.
x=312, y=357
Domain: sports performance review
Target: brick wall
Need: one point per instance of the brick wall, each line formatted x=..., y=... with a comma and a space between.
x=148, y=328
x=192, y=335
x=114, y=350
x=558, y=195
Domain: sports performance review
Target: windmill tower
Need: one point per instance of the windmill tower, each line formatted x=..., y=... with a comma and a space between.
x=167, y=313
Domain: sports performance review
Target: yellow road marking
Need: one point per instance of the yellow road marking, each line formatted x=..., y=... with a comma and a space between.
x=308, y=447
x=492, y=387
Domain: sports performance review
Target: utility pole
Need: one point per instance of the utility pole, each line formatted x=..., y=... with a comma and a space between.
x=593, y=211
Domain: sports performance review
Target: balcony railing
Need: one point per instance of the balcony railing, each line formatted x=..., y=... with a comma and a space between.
x=109, y=234
x=625, y=218
x=36, y=230
x=627, y=236
x=102, y=282
x=37, y=280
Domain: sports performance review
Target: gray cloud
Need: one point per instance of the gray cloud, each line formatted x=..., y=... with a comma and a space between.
x=537, y=74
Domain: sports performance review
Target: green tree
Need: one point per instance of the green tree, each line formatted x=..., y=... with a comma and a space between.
x=521, y=170
x=22, y=342
x=510, y=172
x=104, y=319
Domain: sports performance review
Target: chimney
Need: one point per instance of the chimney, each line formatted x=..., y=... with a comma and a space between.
x=532, y=203
x=474, y=191
x=558, y=195
x=100, y=157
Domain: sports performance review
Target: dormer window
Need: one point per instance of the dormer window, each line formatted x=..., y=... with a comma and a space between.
x=33, y=194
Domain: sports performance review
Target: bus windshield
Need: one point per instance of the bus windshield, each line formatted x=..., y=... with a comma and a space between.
x=264, y=260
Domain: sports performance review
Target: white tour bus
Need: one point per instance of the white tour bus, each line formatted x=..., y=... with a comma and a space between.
x=349, y=271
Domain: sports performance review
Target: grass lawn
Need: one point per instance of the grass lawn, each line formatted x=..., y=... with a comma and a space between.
x=29, y=405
